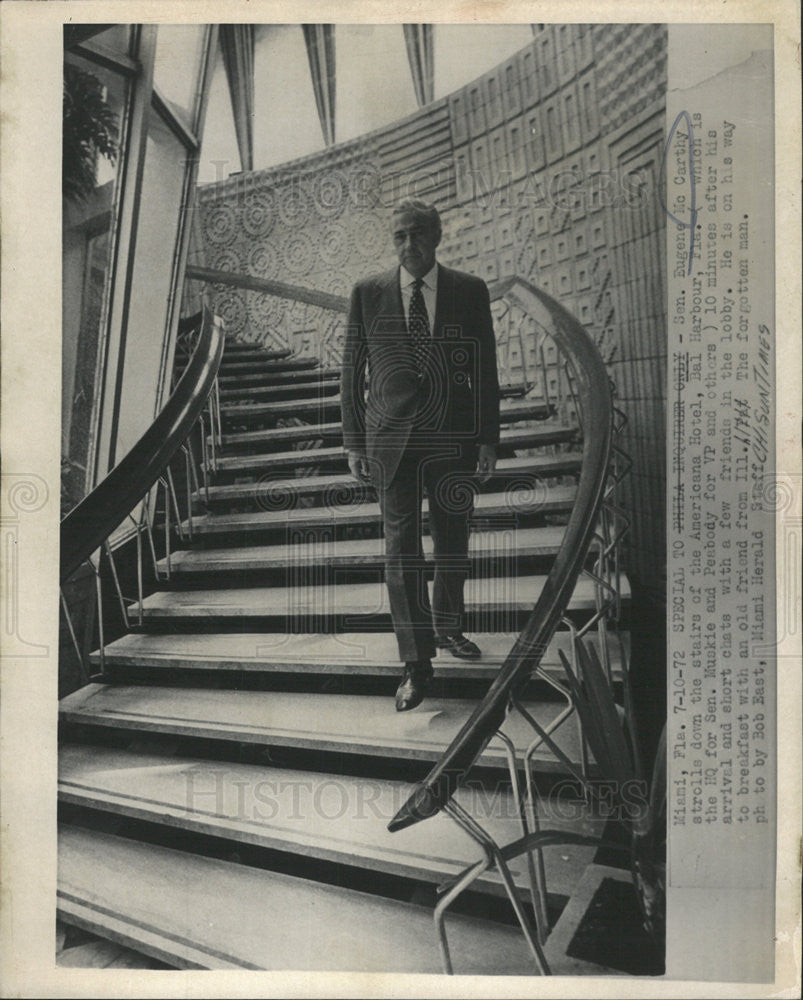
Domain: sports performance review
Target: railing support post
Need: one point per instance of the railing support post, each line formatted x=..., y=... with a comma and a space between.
x=78, y=651
x=475, y=831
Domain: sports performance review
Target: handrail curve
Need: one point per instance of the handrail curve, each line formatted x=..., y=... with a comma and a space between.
x=596, y=406
x=300, y=293
x=91, y=521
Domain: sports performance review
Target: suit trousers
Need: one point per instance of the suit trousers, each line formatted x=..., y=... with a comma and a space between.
x=444, y=469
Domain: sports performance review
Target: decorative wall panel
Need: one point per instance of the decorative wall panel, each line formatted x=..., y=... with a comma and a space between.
x=546, y=166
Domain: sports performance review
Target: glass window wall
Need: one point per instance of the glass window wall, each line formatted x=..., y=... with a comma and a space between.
x=95, y=114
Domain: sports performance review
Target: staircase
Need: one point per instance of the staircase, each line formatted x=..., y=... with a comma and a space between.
x=226, y=782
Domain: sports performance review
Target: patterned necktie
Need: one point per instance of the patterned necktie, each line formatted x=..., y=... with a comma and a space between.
x=418, y=326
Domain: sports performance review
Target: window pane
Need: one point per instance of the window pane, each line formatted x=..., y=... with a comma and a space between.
x=178, y=62
x=117, y=38
x=157, y=232
x=94, y=112
x=219, y=153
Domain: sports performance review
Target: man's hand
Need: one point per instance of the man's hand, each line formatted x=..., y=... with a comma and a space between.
x=358, y=466
x=486, y=462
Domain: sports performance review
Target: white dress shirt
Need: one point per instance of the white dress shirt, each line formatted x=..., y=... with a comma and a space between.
x=429, y=289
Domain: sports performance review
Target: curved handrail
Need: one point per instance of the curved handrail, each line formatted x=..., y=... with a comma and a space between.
x=596, y=406
x=269, y=286
x=299, y=293
x=84, y=529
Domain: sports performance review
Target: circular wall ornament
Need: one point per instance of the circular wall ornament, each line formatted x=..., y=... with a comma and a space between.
x=259, y=213
x=330, y=194
x=227, y=259
x=335, y=245
x=294, y=205
x=219, y=224
x=299, y=253
x=263, y=260
x=373, y=241
x=230, y=306
x=267, y=312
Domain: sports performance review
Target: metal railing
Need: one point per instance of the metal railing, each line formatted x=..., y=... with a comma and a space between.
x=596, y=520
x=533, y=368
x=85, y=531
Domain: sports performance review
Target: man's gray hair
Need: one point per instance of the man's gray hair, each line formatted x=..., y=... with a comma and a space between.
x=427, y=213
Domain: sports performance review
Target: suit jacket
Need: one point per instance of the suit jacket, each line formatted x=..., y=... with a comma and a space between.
x=457, y=400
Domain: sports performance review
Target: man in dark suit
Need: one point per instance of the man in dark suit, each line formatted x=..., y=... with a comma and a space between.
x=431, y=421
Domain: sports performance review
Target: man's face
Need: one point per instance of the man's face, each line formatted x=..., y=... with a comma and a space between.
x=415, y=240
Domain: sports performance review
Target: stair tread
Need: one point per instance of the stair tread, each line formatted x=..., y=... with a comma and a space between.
x=363, y=724
x=257, y=354
x=352, y=653
x=330, y=430
x=550, y=498
x=276, y=435
x=203, y=912
x=244, y=382
x=517, y=409
x=517, y=593
x=506, y=544
x=513, y=438
x=255, y=392
x=306, y=431
x=247, y=346
x=234, y=366
x=563, y=464
x=330, y=384
x=339, y=818
x=313, y=385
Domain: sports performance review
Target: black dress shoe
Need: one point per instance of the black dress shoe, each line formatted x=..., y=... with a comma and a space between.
x=458, y=645
x=410, y=693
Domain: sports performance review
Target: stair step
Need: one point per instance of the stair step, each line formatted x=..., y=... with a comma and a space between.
x=279, y=436
x=309, y=602
x=549, y=499
x=236, y=356
x=254, y=352
x=336, y=488
x=231, y=370
x=509, y=545
x=346, y=653
x=337, y=723
x=510, y=410
x=230, y=346
x=250, y=386
x=99, y=954
x=293, y=390
x=257, y=354
x=534, y=437
x=197, y=912
x=281, y=390
x=241, y=345
x=337, y=818
x=333, y=431
x=233, y=383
